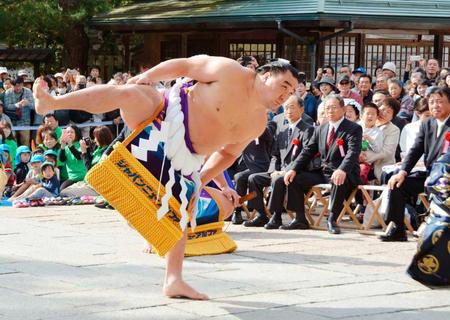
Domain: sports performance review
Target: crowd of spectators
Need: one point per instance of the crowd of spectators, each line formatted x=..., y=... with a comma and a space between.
x=345, y=128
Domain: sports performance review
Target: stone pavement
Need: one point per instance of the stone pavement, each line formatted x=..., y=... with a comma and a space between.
x=80, y=262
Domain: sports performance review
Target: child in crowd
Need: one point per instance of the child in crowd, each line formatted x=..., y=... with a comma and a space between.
x=32, y=177
x=47, y=186
x=352, y=109
x=10, y=140
x=4, y=148
x=52, y=156
x=22, y=158
x=372, y=137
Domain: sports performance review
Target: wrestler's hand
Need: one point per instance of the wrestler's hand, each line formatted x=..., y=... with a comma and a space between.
x=231, y=195
x=141, y=79
x=289, y=177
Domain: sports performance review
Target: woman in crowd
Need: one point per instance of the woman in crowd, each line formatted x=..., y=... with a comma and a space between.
x=70, y=155
x=91, y=153
x=9, y=140
x=397, y=92
x=391, y=134
x=410, y=131
x=309, y=100
x=352, y=110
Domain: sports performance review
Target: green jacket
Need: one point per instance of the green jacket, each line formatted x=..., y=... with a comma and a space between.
x=71, y=156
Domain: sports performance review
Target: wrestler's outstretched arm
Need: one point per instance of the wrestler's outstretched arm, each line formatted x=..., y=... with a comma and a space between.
x=137, y=102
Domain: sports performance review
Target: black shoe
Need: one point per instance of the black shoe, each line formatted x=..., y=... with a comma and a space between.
x=259, y=221
x=333, y=228
x=273, y=224
x=296, y=225
x=237, y=218
x=394, y=234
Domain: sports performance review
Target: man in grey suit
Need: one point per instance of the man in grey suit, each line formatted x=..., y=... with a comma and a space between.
x=290, y=136
x=339, y=143
x=431, y=142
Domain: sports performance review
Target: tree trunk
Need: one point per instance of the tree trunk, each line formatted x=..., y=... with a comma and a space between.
x=76, y=42
x=76, y=46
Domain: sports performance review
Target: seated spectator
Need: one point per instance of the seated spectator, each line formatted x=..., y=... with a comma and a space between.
x=32, y=178
x=21, y=160
x=352, y=110
x=70, y=155
x=364, y=86
x=18, y=105
x=283, y=152
x=321, y=115
x=51, y=121
x=431, y=142
x=422, y=87
x=406, y=102
x=378, y=97
x=47, y=185
x=391, y=135
x=255, y=158
x=91, y=154
x=326, y=86
x=381, y=84
x=339, y=145
x=357, y=73
x=7, y=169
x=411, y=130
x=10, y=140
x=345, y=89
x=52, y=156
x=3, y=116
x=372, y=138
x=309, y=100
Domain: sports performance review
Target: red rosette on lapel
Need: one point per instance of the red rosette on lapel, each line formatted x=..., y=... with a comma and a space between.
x=446, y=142
x=296, y=144
x=340, y=144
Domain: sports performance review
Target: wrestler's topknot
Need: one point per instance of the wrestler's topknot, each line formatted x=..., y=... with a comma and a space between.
x=279, y=66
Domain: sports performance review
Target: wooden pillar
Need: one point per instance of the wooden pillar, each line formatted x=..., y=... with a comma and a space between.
x=36, y=69
x=360, y=51
x=126, y=53
x=438, y=47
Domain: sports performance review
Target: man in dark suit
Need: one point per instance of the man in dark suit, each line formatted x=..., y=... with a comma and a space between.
x=430, y=142
x=255, y=158
x=339, y=143
x=290, y=136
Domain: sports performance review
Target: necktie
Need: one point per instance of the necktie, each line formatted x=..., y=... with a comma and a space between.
x=289, y=134
x=330, y=138
x=440, y=126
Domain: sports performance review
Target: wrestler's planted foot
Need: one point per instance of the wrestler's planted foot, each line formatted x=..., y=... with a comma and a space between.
x=43, y=100
x=180, y=289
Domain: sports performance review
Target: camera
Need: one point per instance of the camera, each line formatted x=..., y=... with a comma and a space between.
x=415, y=58
x=89, y=142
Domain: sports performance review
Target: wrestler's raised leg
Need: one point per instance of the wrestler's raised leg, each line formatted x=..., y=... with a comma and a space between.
x=174, y=285
x=136, y=102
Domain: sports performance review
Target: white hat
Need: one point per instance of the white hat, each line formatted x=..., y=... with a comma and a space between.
x=58, y=75
x=390, y=66
x=22, y=73
x=352, y=102
x=3, y=70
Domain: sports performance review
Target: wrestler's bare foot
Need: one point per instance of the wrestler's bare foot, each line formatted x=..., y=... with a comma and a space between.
x=43, y=100
x=180, y=289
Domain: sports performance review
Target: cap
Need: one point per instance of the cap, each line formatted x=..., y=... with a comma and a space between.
x=46, y=164
x=352, y=102
x=343, y=78
x=5, y=147
x=22, y=73
x=50, y=152
x=3, y=70
x=58, y=75
x=37, y=158
x=359, y=70
x=326, y=80
x=390, y=66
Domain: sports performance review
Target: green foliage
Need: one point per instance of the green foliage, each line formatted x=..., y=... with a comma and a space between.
x=44, y=23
